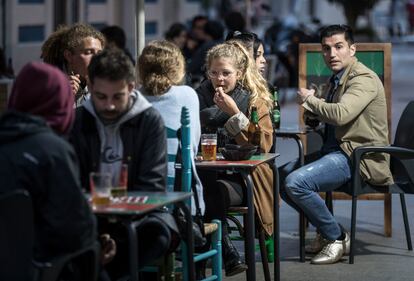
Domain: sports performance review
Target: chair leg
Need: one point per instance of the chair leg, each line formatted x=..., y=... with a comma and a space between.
x=406, y=223
x=217, y=259
x=263, y=254
x=302, y=229
x=329, y=201
x=353, y=226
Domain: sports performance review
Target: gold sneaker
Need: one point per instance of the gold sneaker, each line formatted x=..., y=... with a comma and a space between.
x=330, y=253
x=316, y=244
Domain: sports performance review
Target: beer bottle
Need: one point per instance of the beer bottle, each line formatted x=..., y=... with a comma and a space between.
x=276, y=109
x=254, y=131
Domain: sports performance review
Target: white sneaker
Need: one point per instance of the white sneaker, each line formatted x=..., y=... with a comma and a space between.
x=330, y=253
x=316, y=244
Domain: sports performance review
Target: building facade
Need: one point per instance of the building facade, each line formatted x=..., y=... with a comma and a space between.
x=25, y=24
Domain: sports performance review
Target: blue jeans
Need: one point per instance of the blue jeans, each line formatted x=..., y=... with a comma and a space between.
x=300, y=188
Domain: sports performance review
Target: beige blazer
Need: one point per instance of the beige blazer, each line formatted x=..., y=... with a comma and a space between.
x=359, y=112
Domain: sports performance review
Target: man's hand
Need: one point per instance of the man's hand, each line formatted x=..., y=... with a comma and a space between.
x=75, y=82
x=225, y=102
x=303, y=94
x=108, y=248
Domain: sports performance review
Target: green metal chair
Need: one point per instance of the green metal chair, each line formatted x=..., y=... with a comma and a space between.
x=167, y=266
x=215, y=252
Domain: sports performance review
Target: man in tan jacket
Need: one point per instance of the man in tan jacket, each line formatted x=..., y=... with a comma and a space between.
x=355, y=114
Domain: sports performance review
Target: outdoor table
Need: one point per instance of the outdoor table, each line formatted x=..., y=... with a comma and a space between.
x=137, y=204
x=245, y=168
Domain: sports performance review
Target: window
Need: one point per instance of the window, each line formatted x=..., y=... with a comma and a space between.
x=31, y=33
x=98, y=25
x=31, y=1
x=151, y=28
x=151, y=1
x=96, y=1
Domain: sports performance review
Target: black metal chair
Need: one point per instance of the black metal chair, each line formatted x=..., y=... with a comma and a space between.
x=402, y=168
x=86, y=259
x=16, y=235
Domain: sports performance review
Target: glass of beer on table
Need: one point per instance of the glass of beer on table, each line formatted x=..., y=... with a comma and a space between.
x=120, y=189
x=209, y=147
x=100, y=188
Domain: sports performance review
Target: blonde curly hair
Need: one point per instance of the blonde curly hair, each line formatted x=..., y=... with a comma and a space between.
x=251, y=79
x=160, y=66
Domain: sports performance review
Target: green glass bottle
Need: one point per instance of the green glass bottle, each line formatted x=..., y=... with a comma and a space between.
x=276, y=109
x=254, y=130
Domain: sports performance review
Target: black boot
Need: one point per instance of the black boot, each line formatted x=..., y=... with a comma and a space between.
x=232, y=262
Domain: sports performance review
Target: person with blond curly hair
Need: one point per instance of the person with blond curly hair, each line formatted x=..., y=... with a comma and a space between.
x=226, y=100
x=161, y=70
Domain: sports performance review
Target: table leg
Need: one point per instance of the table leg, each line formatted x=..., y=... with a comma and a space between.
x=276, y=225
x=133, y=249
x=250, y=229
x=302, y=226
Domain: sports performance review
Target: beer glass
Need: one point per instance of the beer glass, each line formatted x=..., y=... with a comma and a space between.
x=209, y=146
x=100, y=188
x=120, y=189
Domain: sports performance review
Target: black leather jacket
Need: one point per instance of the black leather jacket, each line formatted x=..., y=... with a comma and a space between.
x=144, y=145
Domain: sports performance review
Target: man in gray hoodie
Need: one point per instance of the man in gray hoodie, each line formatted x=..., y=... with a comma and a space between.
x=116, y=126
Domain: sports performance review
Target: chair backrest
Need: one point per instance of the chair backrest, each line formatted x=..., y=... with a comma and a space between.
x=179, y=154
x=185, y=150
x=404, y=136
x=16, y=235
x=403, y=170
x=172, y=147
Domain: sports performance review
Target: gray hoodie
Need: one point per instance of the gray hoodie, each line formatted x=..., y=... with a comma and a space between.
x=111, y=144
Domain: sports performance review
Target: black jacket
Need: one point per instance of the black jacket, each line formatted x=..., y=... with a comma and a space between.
x=144, y=147
x=34, y=158
x=210, y=114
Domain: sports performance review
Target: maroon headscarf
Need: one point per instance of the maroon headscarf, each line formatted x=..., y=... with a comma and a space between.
x=43, y=90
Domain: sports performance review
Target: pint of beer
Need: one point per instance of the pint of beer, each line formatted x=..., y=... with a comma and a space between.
x=100, y=188
x=209, y=147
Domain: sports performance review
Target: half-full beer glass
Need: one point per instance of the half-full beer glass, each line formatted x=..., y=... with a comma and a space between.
x=100, y=188
x=209, y=147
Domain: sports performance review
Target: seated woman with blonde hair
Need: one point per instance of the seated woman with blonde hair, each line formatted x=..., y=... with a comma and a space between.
x=226, y=100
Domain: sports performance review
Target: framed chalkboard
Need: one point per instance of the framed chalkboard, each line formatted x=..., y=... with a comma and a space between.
x=313, y=71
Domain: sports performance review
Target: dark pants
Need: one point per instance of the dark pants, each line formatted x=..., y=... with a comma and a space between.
x=220, y=192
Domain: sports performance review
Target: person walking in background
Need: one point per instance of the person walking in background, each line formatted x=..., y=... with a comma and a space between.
x=226, y=102
x=116, y=38
x=213, y=35
x=354, y=111
x=177, y=34
x=70, y=48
